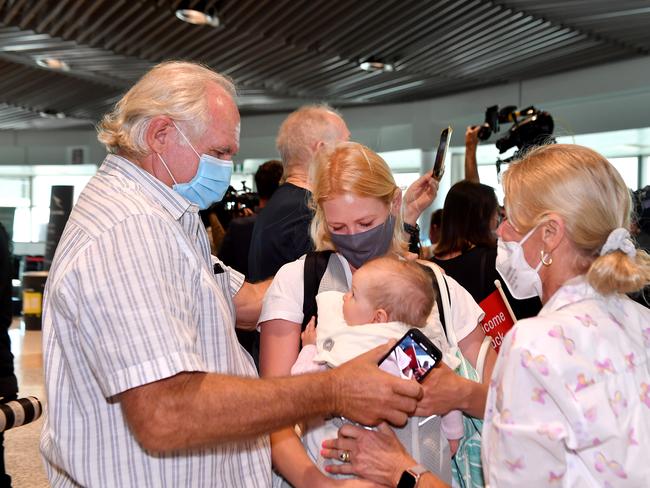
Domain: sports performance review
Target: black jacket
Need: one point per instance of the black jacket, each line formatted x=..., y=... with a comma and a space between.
x=8, y=383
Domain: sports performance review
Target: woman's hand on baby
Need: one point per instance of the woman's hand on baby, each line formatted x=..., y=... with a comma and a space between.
x=308, y=336
x=365, y=394
x=375, y=455
x=419, y=196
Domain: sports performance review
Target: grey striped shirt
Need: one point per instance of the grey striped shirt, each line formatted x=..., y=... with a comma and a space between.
x=132, y=298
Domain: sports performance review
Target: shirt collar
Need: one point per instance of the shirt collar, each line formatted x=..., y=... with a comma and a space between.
x=574, y=290
x=174, y=203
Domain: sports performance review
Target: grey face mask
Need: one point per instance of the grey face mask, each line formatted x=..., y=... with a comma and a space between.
x=361, y=247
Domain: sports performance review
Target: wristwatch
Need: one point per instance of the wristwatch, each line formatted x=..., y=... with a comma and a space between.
x=412, y=229
x=414, y=237
x=410, y=477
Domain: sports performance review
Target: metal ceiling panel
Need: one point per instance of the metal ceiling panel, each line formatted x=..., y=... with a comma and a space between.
x=283, y=53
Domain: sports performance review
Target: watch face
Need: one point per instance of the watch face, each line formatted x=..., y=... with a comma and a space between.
x=408, y=480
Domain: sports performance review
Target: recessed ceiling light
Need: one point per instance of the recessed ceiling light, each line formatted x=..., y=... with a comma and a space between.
x=192, y=16
x=51, y=114
x=374, y=65
x=53, y=63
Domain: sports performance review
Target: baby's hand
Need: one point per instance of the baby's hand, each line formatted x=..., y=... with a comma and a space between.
x=453, y=446
x=308, y=336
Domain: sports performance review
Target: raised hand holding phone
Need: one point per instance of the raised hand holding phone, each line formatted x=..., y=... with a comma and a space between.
x=439, y=163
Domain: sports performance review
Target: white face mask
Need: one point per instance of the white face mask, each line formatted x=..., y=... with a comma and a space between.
x=521, y=279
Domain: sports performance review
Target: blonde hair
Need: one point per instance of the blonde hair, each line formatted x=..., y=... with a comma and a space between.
x=351, y=167
x=174, y=88
x=405, y=290
x=302, y=130
x=589, y=194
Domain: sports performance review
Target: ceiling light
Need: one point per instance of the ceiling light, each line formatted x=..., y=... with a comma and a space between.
x=198, y=17
x=375, y=65
x=53, y=63
x=51, y=114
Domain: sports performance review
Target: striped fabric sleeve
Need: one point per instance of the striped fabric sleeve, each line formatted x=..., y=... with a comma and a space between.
x=138, y=319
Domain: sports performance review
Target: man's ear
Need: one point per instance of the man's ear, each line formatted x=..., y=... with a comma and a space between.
x=317, y=147
x=553, y=231
x=380, y=317
x=160, y=133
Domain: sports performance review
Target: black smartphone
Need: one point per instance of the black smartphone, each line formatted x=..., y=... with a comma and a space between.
x=439, y=164
x=412, y=357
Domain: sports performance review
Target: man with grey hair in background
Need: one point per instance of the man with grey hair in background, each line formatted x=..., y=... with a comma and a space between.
x=281, y=232
x=146, y=383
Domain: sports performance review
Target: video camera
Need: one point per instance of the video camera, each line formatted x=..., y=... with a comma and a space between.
x=237, y=200
x=233, y=204
x=530, y=127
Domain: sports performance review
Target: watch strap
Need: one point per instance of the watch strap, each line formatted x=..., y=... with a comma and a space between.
x=410, y=477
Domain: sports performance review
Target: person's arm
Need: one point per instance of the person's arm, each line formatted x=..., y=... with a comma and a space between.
x=470, y=346
x=279, y=343
x=279, y=346
x=457, y=392
x=444, y=390
x=245, y=407
x=5, y=281
x=374, y=455
x=248, y=303
x=305, y=362
x=419, y=195
x=471, y=143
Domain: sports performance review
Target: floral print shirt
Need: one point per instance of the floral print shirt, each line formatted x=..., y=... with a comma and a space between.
x=569, y=399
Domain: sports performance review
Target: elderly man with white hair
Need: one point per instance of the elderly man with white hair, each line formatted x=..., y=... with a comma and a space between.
x=146, y=383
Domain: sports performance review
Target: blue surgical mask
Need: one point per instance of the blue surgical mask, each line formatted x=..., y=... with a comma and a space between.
x=210, y=183
x=361, y=247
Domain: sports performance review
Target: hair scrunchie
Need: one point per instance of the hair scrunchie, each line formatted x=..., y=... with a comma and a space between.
x=619, y=240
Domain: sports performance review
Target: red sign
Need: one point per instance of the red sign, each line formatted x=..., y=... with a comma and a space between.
x=498, y=319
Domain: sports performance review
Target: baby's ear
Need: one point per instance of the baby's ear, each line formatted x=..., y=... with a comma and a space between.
x=380, y=317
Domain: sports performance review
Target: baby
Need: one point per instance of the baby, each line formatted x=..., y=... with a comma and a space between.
x=388, y=297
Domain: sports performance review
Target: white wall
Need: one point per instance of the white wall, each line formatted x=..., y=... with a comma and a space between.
x=47, y=146
x=608, y=97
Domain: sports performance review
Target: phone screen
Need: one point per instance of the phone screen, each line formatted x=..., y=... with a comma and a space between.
x=412, y=357
x=439, y=164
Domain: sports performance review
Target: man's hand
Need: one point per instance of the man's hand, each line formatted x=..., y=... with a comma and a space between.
x=365, y=394
x=471, y=143
x=419, y=196
x=471, y=136
x=441, y=392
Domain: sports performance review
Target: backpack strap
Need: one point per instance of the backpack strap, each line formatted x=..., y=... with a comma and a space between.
x=437, y=293
x=440, y=303
x=444, y=302
x=315, y=267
